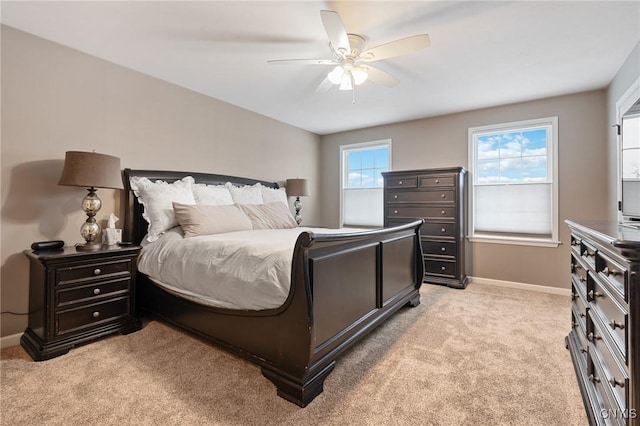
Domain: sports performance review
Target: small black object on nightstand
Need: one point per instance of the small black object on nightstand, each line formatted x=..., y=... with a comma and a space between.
x=47, y=245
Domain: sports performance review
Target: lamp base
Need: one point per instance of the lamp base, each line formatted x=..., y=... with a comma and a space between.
x=89, y=247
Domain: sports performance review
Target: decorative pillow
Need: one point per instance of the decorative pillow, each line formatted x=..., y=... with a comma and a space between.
x=157, y=198
x=199, y=219
x=245, y=194
x=271, y=195
x=212, y=195
x=269, y=216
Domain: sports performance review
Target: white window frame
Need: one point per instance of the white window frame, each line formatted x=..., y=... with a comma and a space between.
x=343, y=172
x=552, y=170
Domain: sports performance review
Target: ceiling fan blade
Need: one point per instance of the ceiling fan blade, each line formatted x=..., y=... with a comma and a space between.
x=397, y=48
x=334, y=27
x=324, y=85
x=380, y=77
x=302, y=61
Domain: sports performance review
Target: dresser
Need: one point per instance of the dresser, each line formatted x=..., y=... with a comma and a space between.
x=440, y=197
x=78, y=296
x=604, y=340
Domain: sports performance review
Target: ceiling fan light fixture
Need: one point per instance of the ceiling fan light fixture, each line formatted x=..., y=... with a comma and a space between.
x=345, y=84
x=335, y=76
x=360, y=75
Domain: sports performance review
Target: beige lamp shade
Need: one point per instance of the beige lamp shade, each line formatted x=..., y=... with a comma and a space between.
x=297, y=188
x=90, y=169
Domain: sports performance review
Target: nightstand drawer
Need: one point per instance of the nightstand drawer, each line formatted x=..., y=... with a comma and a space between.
x=94, y=291
x=73, y=320
x=92, y=270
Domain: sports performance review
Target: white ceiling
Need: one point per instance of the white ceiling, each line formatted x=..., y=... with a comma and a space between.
x=482, y=53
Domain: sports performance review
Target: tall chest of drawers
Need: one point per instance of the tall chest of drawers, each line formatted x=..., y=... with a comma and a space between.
x=439, y=196
x=76, y=297
x=604, y=340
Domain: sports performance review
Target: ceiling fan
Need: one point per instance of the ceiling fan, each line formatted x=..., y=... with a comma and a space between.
x=350, y=60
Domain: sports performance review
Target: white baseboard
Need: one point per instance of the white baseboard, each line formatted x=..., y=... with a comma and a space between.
x=521, y=286
x=8, y=341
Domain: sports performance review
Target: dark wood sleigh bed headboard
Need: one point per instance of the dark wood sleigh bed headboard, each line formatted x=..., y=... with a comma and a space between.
x=135, y=226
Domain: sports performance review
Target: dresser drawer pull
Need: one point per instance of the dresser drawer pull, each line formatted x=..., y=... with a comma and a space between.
x=395, y=197
x=437, y=180
x=96, y=291
x=575, y=243
x=587, y=253
x=593, y=295
x=577, y=267
x=613, y=324
x=443, y=195
x=615, y=382
x=443, y=212
x=399, y=182
x=594, y=379
x=395, y=212
x=443, y=249
x=608, y=271
x=583, y=350
x=443, y=268
x=591, y=337
x=96, y=314
x=573, y=296
x=443, y=230
x=97, y=271
x=583, y=315
x=583, y=280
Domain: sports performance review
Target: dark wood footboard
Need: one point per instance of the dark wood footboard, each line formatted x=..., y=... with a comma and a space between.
x=342, y=287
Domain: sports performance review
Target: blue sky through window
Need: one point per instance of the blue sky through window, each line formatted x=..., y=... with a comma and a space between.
x=364, y=167
x=512, y=156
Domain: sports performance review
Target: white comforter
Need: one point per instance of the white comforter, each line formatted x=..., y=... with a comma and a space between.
x=235, y=270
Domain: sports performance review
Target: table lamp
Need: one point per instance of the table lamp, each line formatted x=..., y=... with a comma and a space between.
x=297, y=188
x=91, y=170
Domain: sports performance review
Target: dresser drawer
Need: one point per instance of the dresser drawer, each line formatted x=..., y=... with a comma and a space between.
x=439, y=248
x=429, y=181
x=92, y=270
x=438, y=229
x=583, y=345
x=612, y=272
x=611, y=312
x=400, y=196
x=612, y=374
x=94, y=291
x=401, y=182
x=579, y=305
x=605, y=400
x=578, y=272
x=440, y=267
x=588, y=253
x=73, y=320
x=416, y=212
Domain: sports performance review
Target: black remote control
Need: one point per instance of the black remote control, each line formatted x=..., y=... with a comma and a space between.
x=47, y=245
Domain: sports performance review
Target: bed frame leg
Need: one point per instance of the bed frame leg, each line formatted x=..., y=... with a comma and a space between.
x=414, y=302
x=293, y=390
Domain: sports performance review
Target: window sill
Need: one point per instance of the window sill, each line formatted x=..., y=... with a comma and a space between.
x=535, y=242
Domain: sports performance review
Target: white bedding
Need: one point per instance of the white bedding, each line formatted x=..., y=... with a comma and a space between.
x=235, y=270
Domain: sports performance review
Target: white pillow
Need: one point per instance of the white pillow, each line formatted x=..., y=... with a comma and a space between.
x=246, y=194
x=200, y=219
x=157, y=198
x=212, y=195
x=269, y=216
x=271, y=195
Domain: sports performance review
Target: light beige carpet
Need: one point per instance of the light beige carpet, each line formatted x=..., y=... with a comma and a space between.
x=481, y=356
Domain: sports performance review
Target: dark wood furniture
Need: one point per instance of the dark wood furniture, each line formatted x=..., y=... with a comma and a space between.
x=342, y=287
x=439, y=196
x=78, y=296
x=604, y=341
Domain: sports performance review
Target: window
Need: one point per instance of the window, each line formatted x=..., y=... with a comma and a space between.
x=514, y=191
x=362, y=184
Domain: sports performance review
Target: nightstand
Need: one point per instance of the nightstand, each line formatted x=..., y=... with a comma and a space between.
x=76, y=297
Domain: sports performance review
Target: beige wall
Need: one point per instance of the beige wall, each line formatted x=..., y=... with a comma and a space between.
x=442, y=142
x=56, y=99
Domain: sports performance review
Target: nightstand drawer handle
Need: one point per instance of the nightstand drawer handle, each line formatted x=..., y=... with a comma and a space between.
x=613, y=324
x=615, y=382
x=96, y=291
x=97, y=271
x=96, y=314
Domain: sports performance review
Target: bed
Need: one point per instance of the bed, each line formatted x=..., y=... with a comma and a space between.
x=343, y=285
